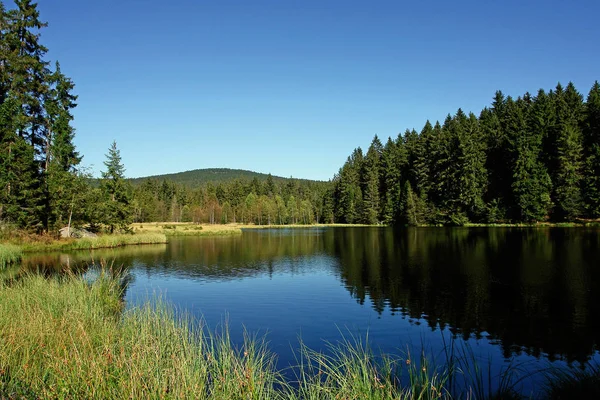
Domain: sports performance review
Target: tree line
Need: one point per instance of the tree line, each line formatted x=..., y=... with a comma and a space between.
x=247, y=201
x=529, y=159
x=42, y=186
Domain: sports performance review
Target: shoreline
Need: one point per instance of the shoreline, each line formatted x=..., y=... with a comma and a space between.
x=98, y=349
x=11, y=251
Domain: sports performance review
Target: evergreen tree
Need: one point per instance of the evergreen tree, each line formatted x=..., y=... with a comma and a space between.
x=492, y=122
x=591, y=131
x=393, y=159
x=410, y=206
x=421, y=165
x=471, y=174
x=348, y=194
x=63, y=185
x=116, y=205
x=568, y=150
x=531, y=183
x=370, y=182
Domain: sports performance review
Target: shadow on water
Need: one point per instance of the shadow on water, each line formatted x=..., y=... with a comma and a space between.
x=87, y=263
x=531, y=293
x=531, y=290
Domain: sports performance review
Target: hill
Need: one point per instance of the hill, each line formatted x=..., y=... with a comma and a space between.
x=199, y=177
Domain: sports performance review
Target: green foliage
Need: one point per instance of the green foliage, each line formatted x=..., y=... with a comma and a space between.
x=370, y=183
x=9, y=255
x=524, y=160
x=200, y=177
x=116, y=203
x=38, y=158
x=591, y=140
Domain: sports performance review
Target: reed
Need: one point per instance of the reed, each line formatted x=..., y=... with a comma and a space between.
x=9, y=255
x=68, y=337
x=65, y=338
x=100, y=242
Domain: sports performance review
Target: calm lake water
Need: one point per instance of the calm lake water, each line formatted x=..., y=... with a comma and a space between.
x=526, y=296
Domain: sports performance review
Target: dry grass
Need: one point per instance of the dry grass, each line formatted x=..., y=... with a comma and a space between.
x=100, y=242
x=186, y=228
x=192, y=229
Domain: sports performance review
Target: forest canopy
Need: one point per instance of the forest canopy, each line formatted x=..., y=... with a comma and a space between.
x=527, y=159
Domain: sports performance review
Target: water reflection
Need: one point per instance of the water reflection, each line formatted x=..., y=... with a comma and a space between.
x=531, y=291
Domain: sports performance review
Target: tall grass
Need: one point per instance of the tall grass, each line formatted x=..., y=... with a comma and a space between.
x=9, y=254
x=350, y=370
x=100, y=242
x=66, y=337
x=573, y=383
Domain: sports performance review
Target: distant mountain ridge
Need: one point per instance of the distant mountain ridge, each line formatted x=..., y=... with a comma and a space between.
x=199, y=177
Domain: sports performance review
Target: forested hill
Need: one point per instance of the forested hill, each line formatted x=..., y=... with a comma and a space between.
x=527, y=159
x=199, y=177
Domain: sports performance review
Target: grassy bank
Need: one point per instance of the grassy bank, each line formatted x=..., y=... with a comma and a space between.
x=100, y=242
x=192, y=229
x=186, y=229
x=9, y=255
x=67, y=338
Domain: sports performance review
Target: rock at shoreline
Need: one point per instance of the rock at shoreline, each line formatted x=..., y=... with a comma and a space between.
x=76, y=233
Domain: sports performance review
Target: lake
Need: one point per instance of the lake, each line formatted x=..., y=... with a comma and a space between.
x=523, y=296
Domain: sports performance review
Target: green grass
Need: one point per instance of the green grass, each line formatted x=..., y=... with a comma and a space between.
x=68, y=339
x=573, y=383
x=65, y=337
x=351, y=370
x=9, y=255
x=100, y=242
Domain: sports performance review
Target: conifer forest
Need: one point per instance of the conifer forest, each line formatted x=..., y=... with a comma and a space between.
x=524, y=158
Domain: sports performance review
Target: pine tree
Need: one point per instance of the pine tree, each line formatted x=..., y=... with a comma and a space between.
x=531, y=182
x=63, y=185
x=492, y=122
x=348, y=194
x=591, y=132
x=410, y=206
x=393, y=159
x=470, y=170
x=23, y=88
x=370, y=182
x=421, y=165
x=568, y=150
x=116, y=207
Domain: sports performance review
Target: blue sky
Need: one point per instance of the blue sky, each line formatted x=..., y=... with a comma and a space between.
x=292, y=87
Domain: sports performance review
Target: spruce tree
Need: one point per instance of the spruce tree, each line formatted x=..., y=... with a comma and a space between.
x=568, y=151
x=411, y=207
x=116, y=208
x=370, y=182
x=492, y=122
x=531, y=183
x=393, y=158
x=421, y=164
x=63, y=185
x=591, y=132
x=471, y=173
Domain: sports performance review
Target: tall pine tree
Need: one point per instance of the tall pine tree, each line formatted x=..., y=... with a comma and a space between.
x=116, y=203
x=591, y=132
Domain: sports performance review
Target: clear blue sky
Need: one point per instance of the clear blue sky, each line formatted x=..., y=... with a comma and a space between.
x=292, y=87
